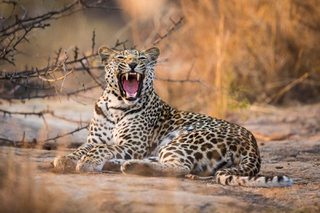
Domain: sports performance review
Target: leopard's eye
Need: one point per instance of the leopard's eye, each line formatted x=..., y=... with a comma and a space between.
x=120, y=57
x=142, y=57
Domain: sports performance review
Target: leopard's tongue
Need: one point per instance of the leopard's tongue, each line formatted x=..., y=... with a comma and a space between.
x=131, y=87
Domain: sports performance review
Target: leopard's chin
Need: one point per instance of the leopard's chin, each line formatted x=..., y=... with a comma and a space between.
x=130, y=84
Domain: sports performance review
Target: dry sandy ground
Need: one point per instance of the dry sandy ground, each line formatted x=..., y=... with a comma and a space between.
x=289, y=140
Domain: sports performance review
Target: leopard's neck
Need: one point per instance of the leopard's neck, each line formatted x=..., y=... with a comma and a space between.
x=115, y=108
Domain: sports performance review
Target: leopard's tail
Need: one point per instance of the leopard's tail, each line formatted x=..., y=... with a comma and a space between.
x=246, y=172
x=255, y=181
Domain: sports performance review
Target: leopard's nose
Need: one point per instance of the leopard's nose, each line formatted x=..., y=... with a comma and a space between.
x=133, y=65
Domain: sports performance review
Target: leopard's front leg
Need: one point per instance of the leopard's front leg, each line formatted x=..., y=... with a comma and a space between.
x=97, y=135
x=68, y=162
x=96, y=158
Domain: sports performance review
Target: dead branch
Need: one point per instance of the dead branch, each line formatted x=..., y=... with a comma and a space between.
x=34, y=142
x=15, y=28
x=287, y=88
x=88, y=70
x=41, y=114
x=66, y=94
x=16, y=143
x=55, y=79
x=67, y=133
x=93, y=42
x=35, y=72
x=174, y=27
x=101, y=4
x=169, y=80
x=48, y=73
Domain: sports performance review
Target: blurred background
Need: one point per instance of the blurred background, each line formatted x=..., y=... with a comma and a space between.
x=216, y=56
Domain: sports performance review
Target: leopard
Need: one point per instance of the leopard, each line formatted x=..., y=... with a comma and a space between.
x=135, y=132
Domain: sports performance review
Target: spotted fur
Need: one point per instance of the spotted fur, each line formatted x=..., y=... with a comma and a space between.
x=144, y=135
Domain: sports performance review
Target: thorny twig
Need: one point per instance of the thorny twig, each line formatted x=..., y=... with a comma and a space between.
x=35, y=72
x=59, y=65
x=101, y=4
x=16, y=28
x=175, y=25
x=67, y=133
x=41, y=114
x=186, y=80
x=288, y=87
x=93, y=41
x=179, y=80
x=88, y=70
x=55, y=79
x=31, y=144
x=67, y=94
x=22, y=142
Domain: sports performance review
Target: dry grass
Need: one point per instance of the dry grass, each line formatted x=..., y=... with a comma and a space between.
x=242, y=51
x=20, y=192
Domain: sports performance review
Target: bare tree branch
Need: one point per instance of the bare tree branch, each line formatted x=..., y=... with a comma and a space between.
x=179, y=80
x=66, y=94
x=41, y=114
x=175, y=26
x=12, y=33
x=67, y=133
x=101, y=4
x=35, y=72
x=34, y=142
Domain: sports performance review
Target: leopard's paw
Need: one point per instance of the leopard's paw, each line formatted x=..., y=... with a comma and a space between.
x=64, y=164
x=85, y=165
x=137, y=167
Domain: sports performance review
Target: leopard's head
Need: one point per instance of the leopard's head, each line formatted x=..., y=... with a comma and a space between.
x=129, y=73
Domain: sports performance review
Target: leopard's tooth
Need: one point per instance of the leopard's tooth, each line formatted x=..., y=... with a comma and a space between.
x=138, y=77
x=127, y=76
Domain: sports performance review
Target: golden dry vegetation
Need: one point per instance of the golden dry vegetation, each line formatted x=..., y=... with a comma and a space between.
x=242, y=51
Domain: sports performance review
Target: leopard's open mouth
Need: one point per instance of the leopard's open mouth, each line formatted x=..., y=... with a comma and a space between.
x=130, y=84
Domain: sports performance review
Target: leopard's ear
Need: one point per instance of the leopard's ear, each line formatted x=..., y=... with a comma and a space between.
x=152, y=53
x=105, y=53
